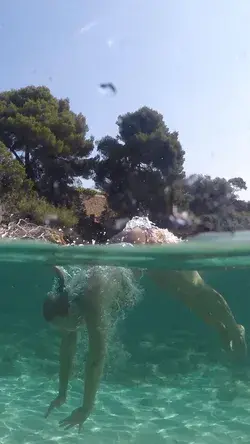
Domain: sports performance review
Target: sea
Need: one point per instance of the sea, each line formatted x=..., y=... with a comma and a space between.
x=166, y=378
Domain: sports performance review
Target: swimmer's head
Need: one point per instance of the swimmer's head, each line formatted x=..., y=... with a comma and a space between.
x=61, y=310
x=144, y=236
x=57, y=305
x=133, y=236
x=140, y=230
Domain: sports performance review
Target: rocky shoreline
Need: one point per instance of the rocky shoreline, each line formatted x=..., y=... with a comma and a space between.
x=25, y=230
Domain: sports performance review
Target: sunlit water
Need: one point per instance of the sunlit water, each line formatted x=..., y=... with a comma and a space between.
x=166, y=379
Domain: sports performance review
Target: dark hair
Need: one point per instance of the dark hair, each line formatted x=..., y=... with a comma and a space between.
x=55, y=306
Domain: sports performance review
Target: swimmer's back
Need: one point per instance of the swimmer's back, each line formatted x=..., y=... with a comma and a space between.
x=104, y=286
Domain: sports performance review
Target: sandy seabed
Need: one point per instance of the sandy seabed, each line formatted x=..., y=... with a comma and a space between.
x=182, y=400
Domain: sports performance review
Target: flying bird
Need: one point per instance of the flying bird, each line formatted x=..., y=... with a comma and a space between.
x=109, y=86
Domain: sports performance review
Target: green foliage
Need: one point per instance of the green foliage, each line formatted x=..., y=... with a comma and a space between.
x=137, y=167
x=88, y=191
x=12, y=173
x=30, y=206
x=216, y=203
x=210, y=196
x=46, y=138
x=41, y=212
x=45, y=152
x=238, y=184
x=20, y=200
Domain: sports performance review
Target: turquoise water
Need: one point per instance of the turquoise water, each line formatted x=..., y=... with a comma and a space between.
x=166, y=379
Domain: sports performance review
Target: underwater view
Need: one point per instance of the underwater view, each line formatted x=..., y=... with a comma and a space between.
x=166, y=377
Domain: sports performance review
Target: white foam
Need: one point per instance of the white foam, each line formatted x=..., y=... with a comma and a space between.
x=139, y=222
x=170, y=238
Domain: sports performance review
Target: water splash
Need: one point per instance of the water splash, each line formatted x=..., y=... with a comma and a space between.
x=146, y=224
x=139, y=222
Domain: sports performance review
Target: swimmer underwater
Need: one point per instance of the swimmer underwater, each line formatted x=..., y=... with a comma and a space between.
x=69, y=309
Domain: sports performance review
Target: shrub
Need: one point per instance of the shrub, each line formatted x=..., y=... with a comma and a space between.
x=88, y=192
x=39, y=211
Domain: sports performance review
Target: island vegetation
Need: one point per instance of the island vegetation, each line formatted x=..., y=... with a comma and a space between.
x=46, y=151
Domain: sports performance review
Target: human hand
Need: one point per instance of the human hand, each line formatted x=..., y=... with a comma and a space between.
x=77, y=418
x=55, y=404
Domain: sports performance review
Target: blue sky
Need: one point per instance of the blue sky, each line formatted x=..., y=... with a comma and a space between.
x=188, y=59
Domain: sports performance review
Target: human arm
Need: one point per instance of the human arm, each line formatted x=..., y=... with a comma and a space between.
x=66, y=356
x=95, y=358
x=97, y=335
x=67, y=353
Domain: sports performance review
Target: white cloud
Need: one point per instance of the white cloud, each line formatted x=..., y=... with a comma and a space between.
x=87, y=27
